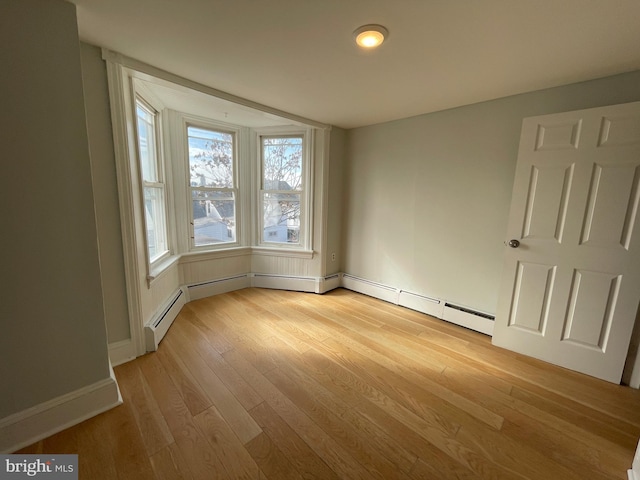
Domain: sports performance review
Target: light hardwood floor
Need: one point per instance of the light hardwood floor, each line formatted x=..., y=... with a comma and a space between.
x=267, y=384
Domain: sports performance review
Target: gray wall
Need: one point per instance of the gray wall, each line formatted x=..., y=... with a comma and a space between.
x=336, y=199
x=105, y=192
x=53, y=338
x=427, y=198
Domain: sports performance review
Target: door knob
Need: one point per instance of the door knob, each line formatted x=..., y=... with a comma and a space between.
x=513, y=243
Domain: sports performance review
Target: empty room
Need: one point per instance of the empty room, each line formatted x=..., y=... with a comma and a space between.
x=320, y=239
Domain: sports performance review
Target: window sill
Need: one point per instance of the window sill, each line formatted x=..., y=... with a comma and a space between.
x=200, y=256
x=283, y=252
x=194, y=257
x=159, y=268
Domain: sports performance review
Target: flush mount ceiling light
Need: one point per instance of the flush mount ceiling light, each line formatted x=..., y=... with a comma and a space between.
x=370, y=36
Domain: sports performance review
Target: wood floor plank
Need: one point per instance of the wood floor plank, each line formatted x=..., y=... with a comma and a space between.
x=375, y=390
x=192, y=393
x=576, y=456
x=220, y=396
x=193, y=447
x=358, y=445
x=243, y=392
x=299, y=453
x=322, y=444
x=272, y=461
x=308, y=378
x=169, y=464
x=263, y=384
x=127, y=447
x=95, y=455
x=425, y=431
x=407, y=438
x=531, y=416
x=136, y=392
x=612, y=429
x=418, y=386
x=253, y=342
x=441, y=467
x=216, y=338
x=226, y=445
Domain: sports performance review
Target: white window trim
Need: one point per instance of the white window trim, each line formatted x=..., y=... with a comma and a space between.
x=306, y=208
x=155, y=266
x=180, y=152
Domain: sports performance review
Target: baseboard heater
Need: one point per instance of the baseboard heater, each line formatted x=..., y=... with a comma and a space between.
x=465, y=317
x=156, y=329
x=284, y=282
x=373, y=289
x=216, y=287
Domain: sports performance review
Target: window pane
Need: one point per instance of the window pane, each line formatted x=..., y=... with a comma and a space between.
x=147, y=143
x=210, y=158
x=154, y=218
x=214, y=217
x=282, y=163
x=281, y=217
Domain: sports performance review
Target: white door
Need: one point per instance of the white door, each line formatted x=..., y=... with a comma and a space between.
x=571, y=277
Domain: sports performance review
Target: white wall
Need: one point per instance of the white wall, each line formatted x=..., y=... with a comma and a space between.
x=427, y=198
x=53, y=338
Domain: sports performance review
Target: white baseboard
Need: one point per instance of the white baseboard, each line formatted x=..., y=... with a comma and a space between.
x=326, y=284
x=35, y=423
x=216, y=287
x=435, y=307
x=421, y=303
x=121, y=352
x=258, y=280
x=373, y=289
x=284, y=282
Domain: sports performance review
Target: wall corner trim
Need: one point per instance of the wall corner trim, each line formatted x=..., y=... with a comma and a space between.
x=43, y=420
x=121, y=352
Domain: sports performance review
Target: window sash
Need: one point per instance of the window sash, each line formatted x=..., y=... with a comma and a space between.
x=147, y=142
x=281, y=217
x=154, y=200
x=155, y=221
x=213, y=191
x=213, y=216
x=282, y=196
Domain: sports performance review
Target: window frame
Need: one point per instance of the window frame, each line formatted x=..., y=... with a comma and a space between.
x=239, y=213
x=306, y=191
x=160, y=184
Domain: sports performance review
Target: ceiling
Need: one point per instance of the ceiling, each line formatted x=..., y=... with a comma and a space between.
x=298, y=56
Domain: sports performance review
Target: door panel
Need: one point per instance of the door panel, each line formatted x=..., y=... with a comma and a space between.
x=619, y=130
x=530, y=312
x=570, y=291
x=547, y=202
x=611, y=206
x=592, y=302
x=557, y=135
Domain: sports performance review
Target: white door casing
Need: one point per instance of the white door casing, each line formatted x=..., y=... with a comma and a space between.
x=570, y=290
